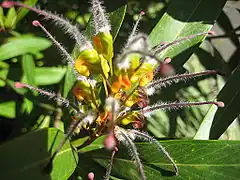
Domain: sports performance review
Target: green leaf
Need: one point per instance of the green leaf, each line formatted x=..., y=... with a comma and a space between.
x=230, y=95
x=49, y=75
x=21, y=13
x=21, y=45
x=4, y=68
x=204, y=129
x=28, y=67
x=69, y=81
x=182, y=20
x=116, y=18
x=2, y=19
x=8, y=109
x=11, y=18
x=195, y=160
x=27, y=156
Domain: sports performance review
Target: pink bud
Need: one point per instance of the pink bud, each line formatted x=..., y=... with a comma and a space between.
x=142, y=13
x=212, y=33
x=19, y=85
x=8, y=4
x=167, y=60
x=91, y=176
x=36, y=23
x=166, y=70
x=220, y=104
x=110, y=142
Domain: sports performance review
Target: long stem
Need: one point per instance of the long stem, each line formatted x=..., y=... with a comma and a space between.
x=177, y=105
x=160, y=147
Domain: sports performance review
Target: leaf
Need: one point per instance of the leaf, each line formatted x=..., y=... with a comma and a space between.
x=21, y=45
x=183, y=20
x=2, y=18
x=27, y=156
x=8, y=109
x=21, y=13
x=230, y=95
x=204, y=129
x=4, y=68
x=11, y=18
x=69, y=81
x=49, y=75
x=116, y=18
x=195, y=160
x=28, y=67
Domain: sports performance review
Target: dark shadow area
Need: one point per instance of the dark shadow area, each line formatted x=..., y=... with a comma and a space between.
x=163, y=172
x=191, y=11
x=25, y=157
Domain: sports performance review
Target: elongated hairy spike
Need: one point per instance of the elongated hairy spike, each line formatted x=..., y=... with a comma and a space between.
x=164, y=82
x=56, y=43
x=110, y=164
x=178, y=105
x=126, y=139
x=51, y=95
x=147, y=137
x=101, y=21
x=66, y=25
x=134, y=30
x=61, y=49
x=167, y=45
x=138, y=42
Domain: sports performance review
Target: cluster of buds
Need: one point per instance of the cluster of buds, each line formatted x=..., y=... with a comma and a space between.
x=112, y=92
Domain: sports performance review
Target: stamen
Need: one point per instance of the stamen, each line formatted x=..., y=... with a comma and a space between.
x=160, y=49
x=164, y=82
x=125, y=138
x=110, y=164
x=67, y=26
x=59, y=46
x=133, y=33
x=178, y=105
x=7, y=4
x=147, y=137
x=43, y=92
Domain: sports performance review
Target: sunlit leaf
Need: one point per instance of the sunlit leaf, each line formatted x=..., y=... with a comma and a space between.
x=183, y=20
x=2, y=18
x=195, y=160
x=11, y=18
x=28, y=67
x=21, y=45
x=8, y=109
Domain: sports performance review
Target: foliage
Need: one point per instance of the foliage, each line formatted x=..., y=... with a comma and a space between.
x=29, y=58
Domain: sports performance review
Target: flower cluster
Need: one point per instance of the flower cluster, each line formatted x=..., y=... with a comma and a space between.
x=112, y=91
